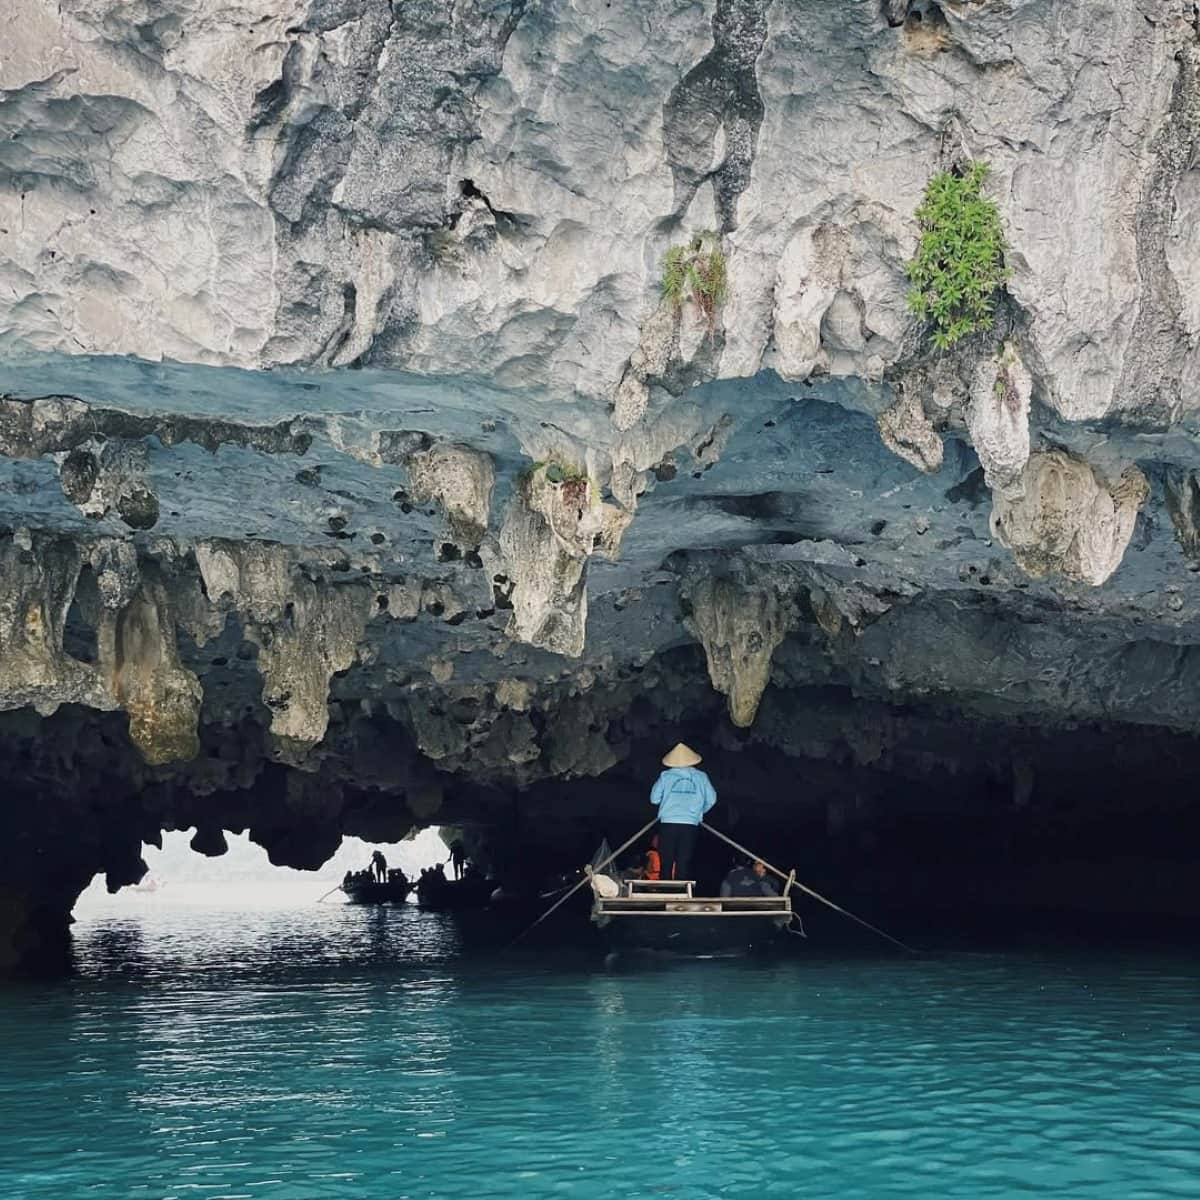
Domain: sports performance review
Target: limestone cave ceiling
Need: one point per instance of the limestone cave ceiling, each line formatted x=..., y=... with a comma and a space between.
x=344, y=425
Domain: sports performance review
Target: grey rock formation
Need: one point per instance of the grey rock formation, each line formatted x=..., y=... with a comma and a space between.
x=354, y=465
x=740, y=625
x=1067, y=521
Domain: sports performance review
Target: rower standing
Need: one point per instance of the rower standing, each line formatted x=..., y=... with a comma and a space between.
x=379, y=866
x=682, y=795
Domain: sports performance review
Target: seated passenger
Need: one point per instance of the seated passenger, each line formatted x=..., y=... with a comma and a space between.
x=652, y=867
x=749, y=881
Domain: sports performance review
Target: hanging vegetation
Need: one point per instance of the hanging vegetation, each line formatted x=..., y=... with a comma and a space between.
x=959, y=265
x=696, y=272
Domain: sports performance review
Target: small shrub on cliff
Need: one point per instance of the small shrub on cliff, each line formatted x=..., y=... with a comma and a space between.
x=696, y=272
x=959, y=265
x=571, y=480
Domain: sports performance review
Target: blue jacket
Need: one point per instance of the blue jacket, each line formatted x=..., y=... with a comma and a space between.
x=683, y=795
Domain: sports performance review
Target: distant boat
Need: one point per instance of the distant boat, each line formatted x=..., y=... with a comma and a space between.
x=149, y=884
x=361, y=888
x=665, y=915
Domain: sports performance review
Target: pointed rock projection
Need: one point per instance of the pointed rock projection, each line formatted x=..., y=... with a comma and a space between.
x=1068, y=521
x=908, y=432
x=137, y=666
x=140, y=660
x=997, y=417
x=306, y=631
x=554, y=524
x=740, y=626
x=38, y=576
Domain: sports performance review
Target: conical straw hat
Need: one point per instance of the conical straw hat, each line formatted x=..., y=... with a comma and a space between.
x=681, y=756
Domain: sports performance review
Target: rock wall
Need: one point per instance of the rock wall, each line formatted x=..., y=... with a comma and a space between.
x=342, y=406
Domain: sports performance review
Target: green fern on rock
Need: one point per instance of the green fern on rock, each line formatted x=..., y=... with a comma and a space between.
x=959, y=265
x=696, y=272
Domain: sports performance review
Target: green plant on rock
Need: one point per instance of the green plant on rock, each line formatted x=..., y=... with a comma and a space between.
x=563, y=473
x=959, y=265
x=572, y=481
x=696, y=272
x=1006, y=393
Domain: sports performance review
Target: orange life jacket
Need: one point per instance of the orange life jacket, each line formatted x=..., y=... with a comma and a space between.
x=653, y=865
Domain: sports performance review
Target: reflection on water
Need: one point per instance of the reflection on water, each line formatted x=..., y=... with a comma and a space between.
x=162, y=940
x=336, y=1051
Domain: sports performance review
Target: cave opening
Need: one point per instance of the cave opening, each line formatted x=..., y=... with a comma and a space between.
x=924, y=820
x=210, y=866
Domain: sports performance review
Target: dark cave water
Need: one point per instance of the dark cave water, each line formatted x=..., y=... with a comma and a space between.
x=329, y=1051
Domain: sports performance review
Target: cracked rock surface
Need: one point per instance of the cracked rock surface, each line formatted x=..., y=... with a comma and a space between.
x=354, y=470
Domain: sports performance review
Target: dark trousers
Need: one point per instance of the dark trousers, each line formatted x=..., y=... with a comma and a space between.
x=675, y=844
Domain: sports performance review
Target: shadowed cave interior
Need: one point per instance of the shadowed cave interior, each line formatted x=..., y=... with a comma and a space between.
x=920, y=818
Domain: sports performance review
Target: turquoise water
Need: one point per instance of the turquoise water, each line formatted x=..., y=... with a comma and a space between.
x=338, y=1052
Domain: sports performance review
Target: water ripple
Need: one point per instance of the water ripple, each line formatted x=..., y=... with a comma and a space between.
x=342, y=1053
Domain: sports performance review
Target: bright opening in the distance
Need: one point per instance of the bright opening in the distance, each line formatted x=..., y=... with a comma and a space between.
x=244, y=878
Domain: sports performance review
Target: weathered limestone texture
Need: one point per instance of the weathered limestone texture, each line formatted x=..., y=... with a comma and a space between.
x=461, y=480
x=908, y=432
x=37, y=585
x=345, y=427
x=549, y=594
x=1183, y=505
x=740, y=627
x=830, y=277
x=1067, y=520
x=138, y=654
x=997, y=417
x=136, y=666
x=657, y=346
x=100, y=477
x=385, y=187
x=305, y=631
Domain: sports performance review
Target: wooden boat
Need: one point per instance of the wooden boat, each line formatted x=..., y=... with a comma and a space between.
x=666, y=915
x=361, y=889
x=451, y=895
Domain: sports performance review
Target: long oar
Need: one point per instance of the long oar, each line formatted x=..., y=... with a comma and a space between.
x=793, y=882
x=586, y=877
x=330, y=892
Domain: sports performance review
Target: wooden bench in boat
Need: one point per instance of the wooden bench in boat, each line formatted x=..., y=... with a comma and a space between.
x=677, y=898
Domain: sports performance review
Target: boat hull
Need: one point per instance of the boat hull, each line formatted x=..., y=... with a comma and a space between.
x=699, y=936
x=456, y=895
x=377, y=893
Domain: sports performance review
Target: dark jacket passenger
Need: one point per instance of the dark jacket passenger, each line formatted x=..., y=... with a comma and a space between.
x=746, y=881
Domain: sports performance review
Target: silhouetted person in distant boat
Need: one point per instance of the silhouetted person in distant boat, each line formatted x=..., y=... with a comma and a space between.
x=379, y=866
x=458, y=856
x=682, y=796
x=749, y=881
x=432, y=882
